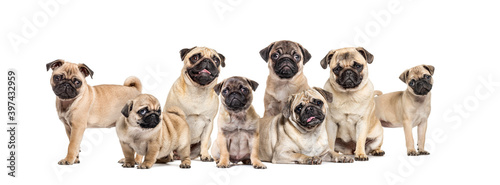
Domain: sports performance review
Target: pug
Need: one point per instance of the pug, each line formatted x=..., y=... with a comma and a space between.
x=145, y=130
x=352, y=125
x=298, y=135
x=238, y=135
x=409, y=108
x=82, y=106
x=286, y=60
x=193, y=93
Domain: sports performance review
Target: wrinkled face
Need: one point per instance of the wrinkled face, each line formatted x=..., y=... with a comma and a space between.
x=202, y=65
x=285, y=58
x=308, y=108
x=144, y=111
x=348, y=68
x=236, y=93
x=419, y=79
x=67, y=78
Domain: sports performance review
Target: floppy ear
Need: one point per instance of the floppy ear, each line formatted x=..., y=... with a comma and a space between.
x=185, y=51
x=127, y=108
x=218, y=87
x=326, y=60
x=86, y=71
x=429, y=68
x=404, y=76
x=264, y=53
x=222, y=60
x=327, y=95
x=253, y=84
x=287, y=110
x=305, y=53
x=55, y=64
x=367, y=55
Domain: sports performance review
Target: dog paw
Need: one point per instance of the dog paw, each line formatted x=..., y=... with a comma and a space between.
x=423, y=152
x=377, y=153
x=128, y=164
x=259, y=165
x=206, y=158
x=66, y=161
x=313, y=160
x=412, y=153
x=144, y=166
x=343, y=159
x=361, y=157
x=185, y=165
x=223, y=164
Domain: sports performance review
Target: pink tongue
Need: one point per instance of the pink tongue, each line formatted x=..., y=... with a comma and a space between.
x=310, y=119
x=205, y=71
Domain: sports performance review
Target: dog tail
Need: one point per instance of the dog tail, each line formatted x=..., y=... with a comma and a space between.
x=176, y=111
x=377, y=93
x=133, y=81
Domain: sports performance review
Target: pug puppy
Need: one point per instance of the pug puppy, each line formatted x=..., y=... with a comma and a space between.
x=409, y=108
x=286, y=60
x=82, y=106
x=298, y=135
x=238, y=135
x=193, y=93
x=352, y=125
x=145, y=130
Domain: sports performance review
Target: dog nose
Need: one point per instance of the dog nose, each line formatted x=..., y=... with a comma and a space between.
x=309, y=109
x=349, y=72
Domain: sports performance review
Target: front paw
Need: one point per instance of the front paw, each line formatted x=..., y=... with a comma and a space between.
x=423, y=152
x=206, y=158
x=67, y=161
x=128, y=164
x=259, y=165
x=377, y=153
x=185, y=165
x=223, y=164
x=361, y=157
x=313, y=160
x=343, y=159
x=145, y=165
x=412, y=152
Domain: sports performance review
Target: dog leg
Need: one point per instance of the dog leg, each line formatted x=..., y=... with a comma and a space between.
x=128, y=152
x=422, y=128
x=254, y=156
x=184, y=152
x=223, y=152
x=331, y=129
x=151, y=155
x=361, y=134
x=75, y=138
x=294, y=157
x=205, y=142
x=410, y=145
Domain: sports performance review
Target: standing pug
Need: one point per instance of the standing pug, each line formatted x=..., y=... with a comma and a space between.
x=82, y=106
x=286, y=60
x=409, y=108
x=352, y=125
x=238, y=136
x=145, y=130
x=298, y=135
x=193, y=92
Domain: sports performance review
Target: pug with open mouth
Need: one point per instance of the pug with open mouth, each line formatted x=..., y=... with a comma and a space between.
x=81, y=106
x=352, y=125
x=409, y=108
x=298, y=135
x=193, y=93
x=286, y=60
x=144, y=129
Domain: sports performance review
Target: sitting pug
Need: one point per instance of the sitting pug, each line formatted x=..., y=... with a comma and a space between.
x=238, y=136
x=145, y=130
x=409, y=108
x=298, y=135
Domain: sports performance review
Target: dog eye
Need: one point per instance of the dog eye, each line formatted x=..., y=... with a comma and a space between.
x=224, y=92
x=143, y=111
x=217, y=61
x=298, y=109
x=427, y=77
x=159, y=110
x=244, y=90
x=275, y=56
x=337, y=69
x=318, y=102
x=76, y=82
x=412, y=83
x=356, y=65
x=296, y=57
x=58, y=77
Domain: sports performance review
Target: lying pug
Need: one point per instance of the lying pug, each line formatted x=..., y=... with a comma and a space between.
x=238, y=135
x=298, y=135
x=145, y=130
x=409, y=108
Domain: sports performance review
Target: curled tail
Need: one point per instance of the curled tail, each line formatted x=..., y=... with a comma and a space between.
x=377, y=93
x=133, y=81
x=176, y=111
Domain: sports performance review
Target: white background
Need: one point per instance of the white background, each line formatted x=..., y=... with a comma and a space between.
x=117, y=39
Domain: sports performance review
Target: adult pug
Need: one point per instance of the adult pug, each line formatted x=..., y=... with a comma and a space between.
x=298, y=135
x=352, y=125
x=145, y=130
x=82, y=106
x=238, y=135
x=193, y=92
x=409, y=108
x=286, y=60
